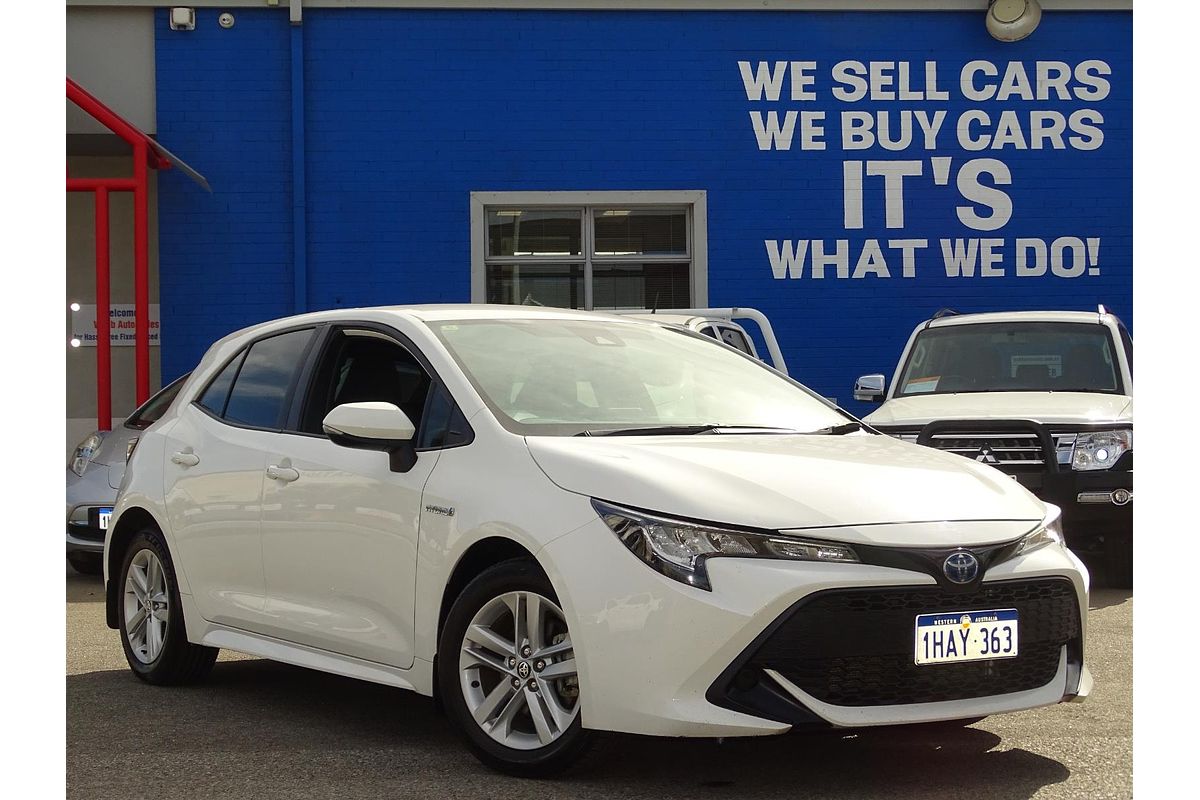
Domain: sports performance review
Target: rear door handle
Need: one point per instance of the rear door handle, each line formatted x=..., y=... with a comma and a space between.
x=285, y=474
x=185, y=458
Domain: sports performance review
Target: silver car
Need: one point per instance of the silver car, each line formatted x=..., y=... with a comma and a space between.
x=94, y=474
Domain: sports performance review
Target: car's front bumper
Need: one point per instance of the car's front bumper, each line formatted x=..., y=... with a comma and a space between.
x=85, y=495
x=1093, y=508
x=655, y=655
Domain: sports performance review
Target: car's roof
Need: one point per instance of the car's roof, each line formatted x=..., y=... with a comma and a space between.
x=1092, y=317
x=435, y=313
x=429, y=313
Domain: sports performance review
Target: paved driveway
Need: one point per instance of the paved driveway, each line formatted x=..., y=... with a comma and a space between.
x=259, y=730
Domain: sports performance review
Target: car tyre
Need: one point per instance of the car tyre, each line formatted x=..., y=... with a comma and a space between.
x=517, y=679
x=1118, y=552
x=86, y=563
x=158, y=651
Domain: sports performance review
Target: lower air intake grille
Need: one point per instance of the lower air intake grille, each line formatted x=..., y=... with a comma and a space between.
x=855, y=648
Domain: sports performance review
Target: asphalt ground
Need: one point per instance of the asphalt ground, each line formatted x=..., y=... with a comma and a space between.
x=259, y=729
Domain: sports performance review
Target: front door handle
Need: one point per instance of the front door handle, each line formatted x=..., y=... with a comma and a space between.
x=185, y=458
x=285, y=474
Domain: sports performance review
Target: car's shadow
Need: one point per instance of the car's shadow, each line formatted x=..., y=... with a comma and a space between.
x=1104, y=598
x=262, y=729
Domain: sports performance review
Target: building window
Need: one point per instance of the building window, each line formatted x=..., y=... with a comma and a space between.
x=593, y=250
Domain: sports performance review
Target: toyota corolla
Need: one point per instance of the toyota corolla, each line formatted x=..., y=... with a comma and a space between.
x=561, y=523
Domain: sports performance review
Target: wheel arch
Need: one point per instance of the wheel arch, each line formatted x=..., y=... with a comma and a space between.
x=480, y=556
x=132, y=520
x=475, y=560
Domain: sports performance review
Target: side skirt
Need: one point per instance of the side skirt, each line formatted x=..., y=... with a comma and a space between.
x=418, y=678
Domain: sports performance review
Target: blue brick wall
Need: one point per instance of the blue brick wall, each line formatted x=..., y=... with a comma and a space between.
x=225, y=259
x=410, y=111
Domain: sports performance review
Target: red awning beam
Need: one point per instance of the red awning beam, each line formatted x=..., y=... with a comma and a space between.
x=146, y=153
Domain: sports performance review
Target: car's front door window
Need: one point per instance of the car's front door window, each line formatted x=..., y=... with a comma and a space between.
x=360, y=367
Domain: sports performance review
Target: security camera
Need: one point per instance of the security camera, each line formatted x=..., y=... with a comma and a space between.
x=1013, y=20
x=183, y=19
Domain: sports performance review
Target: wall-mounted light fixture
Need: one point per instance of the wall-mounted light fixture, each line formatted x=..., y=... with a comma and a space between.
x=183, y=19
x=1013, y=20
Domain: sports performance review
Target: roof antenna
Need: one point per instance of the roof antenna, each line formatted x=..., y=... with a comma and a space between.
x=945, y=312
x=529, y=301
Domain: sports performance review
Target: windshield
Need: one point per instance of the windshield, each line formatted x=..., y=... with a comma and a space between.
x=567, y=376
x=1011, y=357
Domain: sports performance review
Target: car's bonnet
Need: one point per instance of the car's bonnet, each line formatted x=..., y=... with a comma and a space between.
x=797, y=481
x=1046, y=407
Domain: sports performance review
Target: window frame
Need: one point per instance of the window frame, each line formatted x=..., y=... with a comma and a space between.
x=320, y=350
x=297, y=378
x=693, y=202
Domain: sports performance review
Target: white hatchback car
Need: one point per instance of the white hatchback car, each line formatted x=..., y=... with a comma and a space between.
x=559, y=523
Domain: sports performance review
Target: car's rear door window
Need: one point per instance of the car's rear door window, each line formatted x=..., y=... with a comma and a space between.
x=264, y=383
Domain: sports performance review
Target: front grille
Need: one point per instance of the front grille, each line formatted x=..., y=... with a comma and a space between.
x=855, y=647
x=1028, y=452
x=1008, y=449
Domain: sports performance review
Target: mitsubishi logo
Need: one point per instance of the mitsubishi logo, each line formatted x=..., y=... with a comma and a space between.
x=986, y=455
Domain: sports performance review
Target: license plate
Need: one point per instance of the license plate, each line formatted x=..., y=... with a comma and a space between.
x=956, y=636
x=103, y=517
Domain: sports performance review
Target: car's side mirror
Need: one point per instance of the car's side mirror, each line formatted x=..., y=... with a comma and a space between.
x=374, y=426
x=870, y=388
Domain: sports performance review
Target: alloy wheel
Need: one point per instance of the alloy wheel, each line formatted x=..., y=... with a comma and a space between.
x=146, y=605
x=517, y=670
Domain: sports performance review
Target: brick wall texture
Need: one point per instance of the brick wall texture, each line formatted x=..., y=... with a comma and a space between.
x=407, y=112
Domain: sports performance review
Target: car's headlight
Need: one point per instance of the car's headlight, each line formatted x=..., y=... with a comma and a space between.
x=1100, y=449
x=1049, y=532
x=678, y=548
x=84, y=451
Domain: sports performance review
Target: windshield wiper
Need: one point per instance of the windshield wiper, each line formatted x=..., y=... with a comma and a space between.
x=684, y=430
x=838, y=430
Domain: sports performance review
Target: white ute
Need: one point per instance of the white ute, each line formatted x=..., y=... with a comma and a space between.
x=720, y=324
x=1045, y=396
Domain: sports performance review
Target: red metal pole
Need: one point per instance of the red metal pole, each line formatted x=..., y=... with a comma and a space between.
x=103, y=328
x=92, y=184
x=141, y=273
